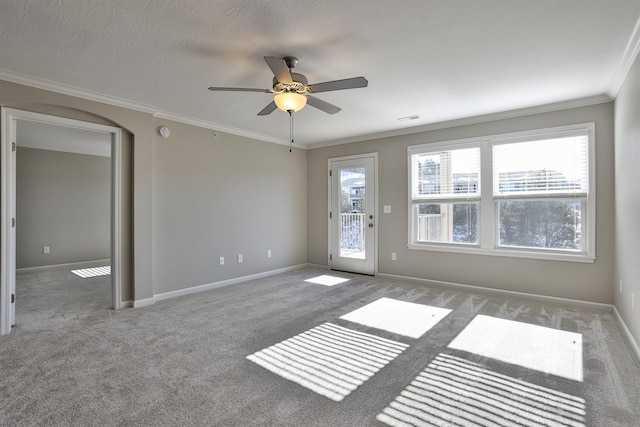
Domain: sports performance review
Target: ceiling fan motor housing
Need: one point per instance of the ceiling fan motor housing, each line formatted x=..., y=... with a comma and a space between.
x=291, y=61
x=299, y=85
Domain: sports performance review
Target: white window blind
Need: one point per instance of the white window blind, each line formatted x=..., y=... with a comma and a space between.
x=446, y=174
x=558, y=166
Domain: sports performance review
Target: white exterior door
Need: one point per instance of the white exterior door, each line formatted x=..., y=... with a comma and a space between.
x=352, y=214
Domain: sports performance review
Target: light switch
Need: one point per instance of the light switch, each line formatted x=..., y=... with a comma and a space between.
x=387, y=209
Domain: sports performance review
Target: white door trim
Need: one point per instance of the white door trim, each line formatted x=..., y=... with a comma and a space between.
x=8, y=118
x=375, y=205
x=7, y=275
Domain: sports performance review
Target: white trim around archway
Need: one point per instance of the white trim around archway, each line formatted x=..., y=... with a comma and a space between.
x=8, y=120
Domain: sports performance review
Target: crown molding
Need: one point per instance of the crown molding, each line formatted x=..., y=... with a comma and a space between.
x=547, y=108
x=626, y=62
x=64, y=89
x=218, y=127
x=630, y=54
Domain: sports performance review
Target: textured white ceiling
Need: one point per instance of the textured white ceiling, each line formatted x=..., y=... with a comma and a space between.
x=442, y=60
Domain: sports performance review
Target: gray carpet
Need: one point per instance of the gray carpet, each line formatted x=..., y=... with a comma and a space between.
x=72, y=361
x=57, y=296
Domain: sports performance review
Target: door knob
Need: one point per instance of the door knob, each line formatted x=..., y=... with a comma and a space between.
x=370, y=225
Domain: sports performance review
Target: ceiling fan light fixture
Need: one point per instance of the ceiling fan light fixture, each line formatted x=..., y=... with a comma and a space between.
x=290, y=89
x=290, y=101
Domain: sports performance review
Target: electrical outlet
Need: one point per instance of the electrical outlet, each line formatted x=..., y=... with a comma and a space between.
x=620, y=285
x=45, y=249
x=393, y=256
x=221, y=260
x=268, y=253
x=239, y=258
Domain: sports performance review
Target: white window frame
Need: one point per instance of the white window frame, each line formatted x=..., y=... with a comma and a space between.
x=488, y=229
x=446, y=198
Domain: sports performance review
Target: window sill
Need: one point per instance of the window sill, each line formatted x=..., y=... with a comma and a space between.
x=568, y=257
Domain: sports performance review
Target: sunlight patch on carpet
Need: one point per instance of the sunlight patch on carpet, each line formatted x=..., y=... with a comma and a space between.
x=455, y=391
x=327, y=280
x=329, y=359
x=399, y=317
x=547, y=350
x=86, y=273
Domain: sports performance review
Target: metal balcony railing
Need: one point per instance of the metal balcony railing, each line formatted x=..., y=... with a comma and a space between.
x=352, y=231
x=430, y=228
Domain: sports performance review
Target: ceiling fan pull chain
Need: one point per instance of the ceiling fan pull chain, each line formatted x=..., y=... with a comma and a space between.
x=290, y=129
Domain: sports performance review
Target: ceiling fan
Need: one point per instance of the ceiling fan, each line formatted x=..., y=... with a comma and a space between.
x=292, y=91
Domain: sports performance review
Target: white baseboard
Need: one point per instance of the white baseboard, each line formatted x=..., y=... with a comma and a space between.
x=627, y=332
x=139, y=303
x=318, y=266
x=71, y=265
x=126, y=304
x=222, y=283
x=517, y=294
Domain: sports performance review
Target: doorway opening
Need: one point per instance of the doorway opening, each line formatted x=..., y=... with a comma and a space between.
x=61, y=166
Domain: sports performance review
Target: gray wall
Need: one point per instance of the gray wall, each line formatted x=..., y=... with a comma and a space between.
x=137, y=139
x=189, y=203
x=589, y=282
x=222, y=197
x=627, y=200
x=190, y=199
x=63, y=201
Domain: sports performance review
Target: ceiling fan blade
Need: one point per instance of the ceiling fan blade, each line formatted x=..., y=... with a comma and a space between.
x=351, y=83
x=279, y=68
x=268, y=109
x=322, y=105
x=238, y=89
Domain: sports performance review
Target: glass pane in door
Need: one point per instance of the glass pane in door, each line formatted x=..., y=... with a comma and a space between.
x=353, y=204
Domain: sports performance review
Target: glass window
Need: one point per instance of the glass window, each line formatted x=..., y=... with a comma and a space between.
x=445, y=191
x=538, y=198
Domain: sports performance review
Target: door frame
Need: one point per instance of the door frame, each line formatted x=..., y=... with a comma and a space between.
x=8, y=119
x=373, y=155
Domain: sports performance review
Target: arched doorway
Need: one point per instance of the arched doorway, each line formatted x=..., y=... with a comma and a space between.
x=9, y=123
